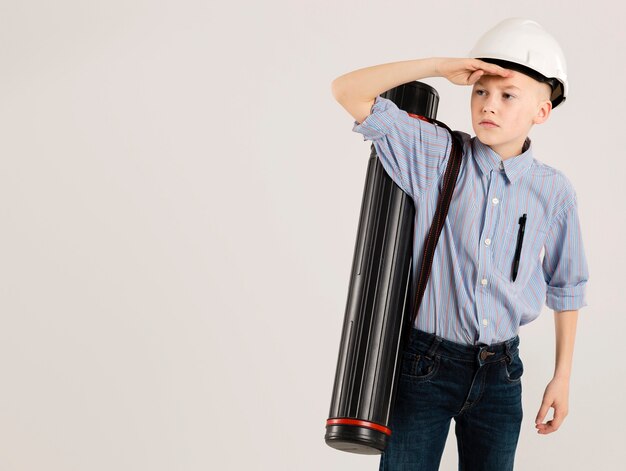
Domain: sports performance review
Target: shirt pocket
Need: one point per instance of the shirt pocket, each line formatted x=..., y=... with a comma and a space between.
x=529, y=260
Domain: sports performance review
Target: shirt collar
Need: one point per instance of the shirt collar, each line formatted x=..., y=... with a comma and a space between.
x=513, y=167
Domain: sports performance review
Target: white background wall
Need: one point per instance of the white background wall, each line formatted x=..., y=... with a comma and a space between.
x=179, y=200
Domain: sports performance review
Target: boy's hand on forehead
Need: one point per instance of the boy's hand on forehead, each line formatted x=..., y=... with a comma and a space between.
x=465, y=71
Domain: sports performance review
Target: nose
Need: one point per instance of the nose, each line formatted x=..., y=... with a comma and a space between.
x=488, y=105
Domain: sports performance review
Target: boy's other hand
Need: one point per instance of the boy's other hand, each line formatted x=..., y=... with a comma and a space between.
x=465, y=71
x=556, y=396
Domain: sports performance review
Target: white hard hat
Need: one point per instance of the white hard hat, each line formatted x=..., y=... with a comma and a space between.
x=525, y=46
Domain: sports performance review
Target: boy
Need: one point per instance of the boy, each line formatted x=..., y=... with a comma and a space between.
x=462, y=360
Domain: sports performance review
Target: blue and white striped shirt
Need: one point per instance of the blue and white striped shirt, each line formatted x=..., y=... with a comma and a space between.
x=470, y=297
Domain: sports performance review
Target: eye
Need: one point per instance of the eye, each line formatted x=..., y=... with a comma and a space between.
x=479, y=92
x=508, y=96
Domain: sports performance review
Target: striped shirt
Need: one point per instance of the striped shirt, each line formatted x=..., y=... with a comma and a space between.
x=470, y=297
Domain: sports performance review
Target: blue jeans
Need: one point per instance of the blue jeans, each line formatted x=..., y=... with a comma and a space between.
x=477, y=385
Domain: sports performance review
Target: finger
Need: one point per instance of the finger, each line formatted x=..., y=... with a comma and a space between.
x=506, y=72
x=493, y=69
x=501, y=71
x=542, y=412
x=550, y=427
x=544, y=428
x=474, y=77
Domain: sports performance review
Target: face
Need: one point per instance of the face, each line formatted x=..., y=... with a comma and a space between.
x=514, y=104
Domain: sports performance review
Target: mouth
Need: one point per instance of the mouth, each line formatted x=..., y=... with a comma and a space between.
x=488, y=124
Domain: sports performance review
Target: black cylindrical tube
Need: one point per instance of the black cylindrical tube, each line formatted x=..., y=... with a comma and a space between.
x=380, y=301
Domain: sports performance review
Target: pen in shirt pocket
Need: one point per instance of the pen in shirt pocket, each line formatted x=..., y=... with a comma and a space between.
x=518, y=247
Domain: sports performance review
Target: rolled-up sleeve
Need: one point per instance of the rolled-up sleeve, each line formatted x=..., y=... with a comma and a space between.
x=564, y=264
x=412, y=151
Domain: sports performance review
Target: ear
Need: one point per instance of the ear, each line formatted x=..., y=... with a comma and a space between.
x=543, y=112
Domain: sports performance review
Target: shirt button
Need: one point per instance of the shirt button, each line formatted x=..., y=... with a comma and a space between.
x=487, y=241
x=501, y=165
x=485, y=322
x=483, y=281
x=495, y=201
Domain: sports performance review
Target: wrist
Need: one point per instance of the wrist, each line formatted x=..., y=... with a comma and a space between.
x=563, y=376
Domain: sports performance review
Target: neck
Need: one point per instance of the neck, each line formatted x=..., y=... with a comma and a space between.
x=509, y=150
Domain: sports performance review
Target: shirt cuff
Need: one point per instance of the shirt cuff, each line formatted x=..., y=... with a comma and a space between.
x=569, y=298
x=376, y=124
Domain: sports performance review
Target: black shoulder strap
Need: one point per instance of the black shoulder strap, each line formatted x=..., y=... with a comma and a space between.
x=449, y=182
